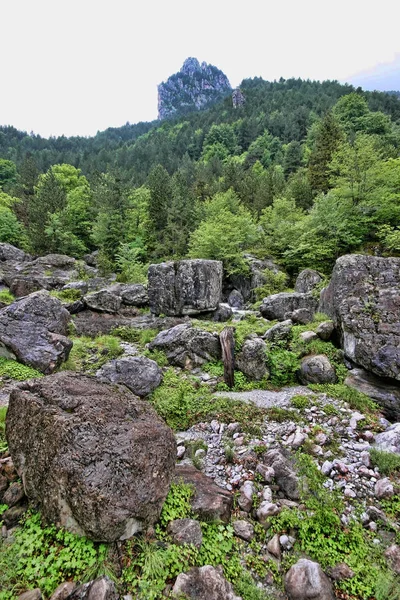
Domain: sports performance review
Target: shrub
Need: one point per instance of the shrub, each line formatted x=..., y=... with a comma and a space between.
x=14, y=370
x=387, y=462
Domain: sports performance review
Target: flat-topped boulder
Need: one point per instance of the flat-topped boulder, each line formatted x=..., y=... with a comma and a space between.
x=281, y=306
x=185, y=287
x=34, y=330
x=103, y=461
x=186, y=346
x=139, y=373
x=363, y=301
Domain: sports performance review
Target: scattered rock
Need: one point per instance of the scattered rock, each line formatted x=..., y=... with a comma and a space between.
x=302, y=316
x=325, y=330
x=235, y=299
x=186, y=531
x=31, y=595
x=308, y=336
x=14, y=494
x=63, y=591
x=187, y=346
x=384, y=488
x=204, y=583
x=279, y=332
x=222, y=314
x=140, y=374
x=266, y=510
x=99, y=589
x=393, y=555
x=306, y=580
x=274, y=546
x=316, y=369
x=307, y=280
x=285, y=476
x=34, y=329
x=244, y=530
x=252, y=360
x=245, y=500
x=340, y=571
x=389, y=440
x=103, y=463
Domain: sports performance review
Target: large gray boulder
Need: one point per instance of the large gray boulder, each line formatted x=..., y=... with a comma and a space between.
x=281, y=306
x=252, y=360
x=316, y=369
x=307, y=280
x=97, y=460
x=140, y=374
x=103, y=301
x=305, y=580
x=187, y=346
x=389, y=440
x=386, y=394
x=34, y=330
x=185, y=287
x=363, y=301
x=247, y=283
x=11, y=253
x=203, y=583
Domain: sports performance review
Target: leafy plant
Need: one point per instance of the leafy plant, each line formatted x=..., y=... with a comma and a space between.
x=274, y=282
x=283, y=365
x=6, y=297
x=177, y=503
x=14, y=370
x=68, y=295
x=300, y=402
x=387, y=462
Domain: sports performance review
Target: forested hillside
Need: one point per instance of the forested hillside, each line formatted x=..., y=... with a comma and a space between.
x=304, y=171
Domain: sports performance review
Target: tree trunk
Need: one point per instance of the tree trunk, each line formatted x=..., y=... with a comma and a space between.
x=228, y=355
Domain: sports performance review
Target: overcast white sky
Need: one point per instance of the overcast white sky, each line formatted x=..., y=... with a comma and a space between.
x=74, y=67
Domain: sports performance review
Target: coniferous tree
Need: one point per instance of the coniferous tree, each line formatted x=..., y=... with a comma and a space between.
x=328, y=137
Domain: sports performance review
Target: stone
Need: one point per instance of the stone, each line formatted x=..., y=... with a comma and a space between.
x=223, y=313
x=103, y=301
x=14, y=494
x=279, y=306
x=316, y=369
x=34, y=329
x=210, y=502
x=362, y=300
x=285, y=476
x=133, y=294
x=245, y=499
x=248, y=283
x=389, y=440
x=384, y=488
x=185, y=531
x=308, y=336
x=252, y=360
x=44, y=273
x=139, y=373
x=11, y=253
x=307, y=281
x=203, y=583
x=186, y=346
x=280, y=332
x=325, y=330
x=302, y=316
x=63, y=591
x=185, y=287
x=393, y=556
x=385, y=393
x=266, y=510
x=274, y=546
x=103, y=462
x=267, y=473
x=235, y=299
x=81, y=286
x=99, y=589
x=306, y=580
x=13, y=515
x=340, y=571
x=35, y=594
x=244, y=530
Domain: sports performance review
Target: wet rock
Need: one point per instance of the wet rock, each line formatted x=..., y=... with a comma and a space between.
x=103, y=301
x=203, y=583
x=186, y=531
x=244, y=530
x=317, y=369
x=103, y=463
x=34, y=329
x=252, y=360
x=281, y=306
x=187, y=346
x=210, y=501
x=140, y=374
x=307, y=281
x=306, y=580
x=185, y=287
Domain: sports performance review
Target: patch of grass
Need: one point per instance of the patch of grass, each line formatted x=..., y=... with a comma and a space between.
x=283, y=365
x=282, y=414
x=141, y=337
x=14, y=370
x=6, y=297
x=300, y=402
x=330, y=409
x=387, y=462
x=69, y=295
x=3, y=441
x=158, y=356
x=89, y=354
x=355, y=399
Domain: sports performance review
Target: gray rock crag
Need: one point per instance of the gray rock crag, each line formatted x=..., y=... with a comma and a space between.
x=364, y=303
x=203, y=583
x=281, y=306
x=103, y=462
x=238, y=98
x=185, y=287
x=186, y=346
x=307, y=280
x=139, y=373
x=386, y=393
x=34, y=329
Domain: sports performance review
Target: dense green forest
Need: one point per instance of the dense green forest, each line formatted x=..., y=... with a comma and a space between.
x=304, y=171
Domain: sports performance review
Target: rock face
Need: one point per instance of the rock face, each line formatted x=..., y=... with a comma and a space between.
x=103, y=301
x=140, y=374
x=103, y=461
x=185, y=287
x=363, y=301
x=317, y=369
x=306, y=580
x=307, y=280
x=389, y=440
x=203, y=583
x=252, y=359
x=186, y=346
x=281, y=306
x=238, y=98
x=11, y=253
x=386, y=393
x=34, y=329
x=193, y=87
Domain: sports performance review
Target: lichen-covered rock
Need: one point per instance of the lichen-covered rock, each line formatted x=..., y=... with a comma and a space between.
x=307, y=280
x=185, y=287
x=186, y=531
x=317, y=369
x=139, y=373
x=279, y=332
x=363, y=301
x=103, y=461
x=34, y=329
x=389, y=440
x=203, y=583
x=103, y=301
x=11, y=253
x=131, y=294
x=281, y=306
x=285, y=475
x=305, y=580
x=187, y=346
x=252, y=359
x=102, y=588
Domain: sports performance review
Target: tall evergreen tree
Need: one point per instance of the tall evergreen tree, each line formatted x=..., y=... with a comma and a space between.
x=328, y=137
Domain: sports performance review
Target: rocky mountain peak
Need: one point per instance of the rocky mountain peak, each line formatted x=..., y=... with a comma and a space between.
x=192, y=88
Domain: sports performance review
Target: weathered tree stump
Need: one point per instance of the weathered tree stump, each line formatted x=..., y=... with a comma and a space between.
x=228, y=355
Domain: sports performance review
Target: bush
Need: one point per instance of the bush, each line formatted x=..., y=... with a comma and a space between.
x=275, y=282
x=387, y=462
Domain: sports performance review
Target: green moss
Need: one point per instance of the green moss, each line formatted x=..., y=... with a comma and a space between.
x=355, y=399
x=90, y=354
x=6, y=297
x=69, y=295
x=14, y=369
